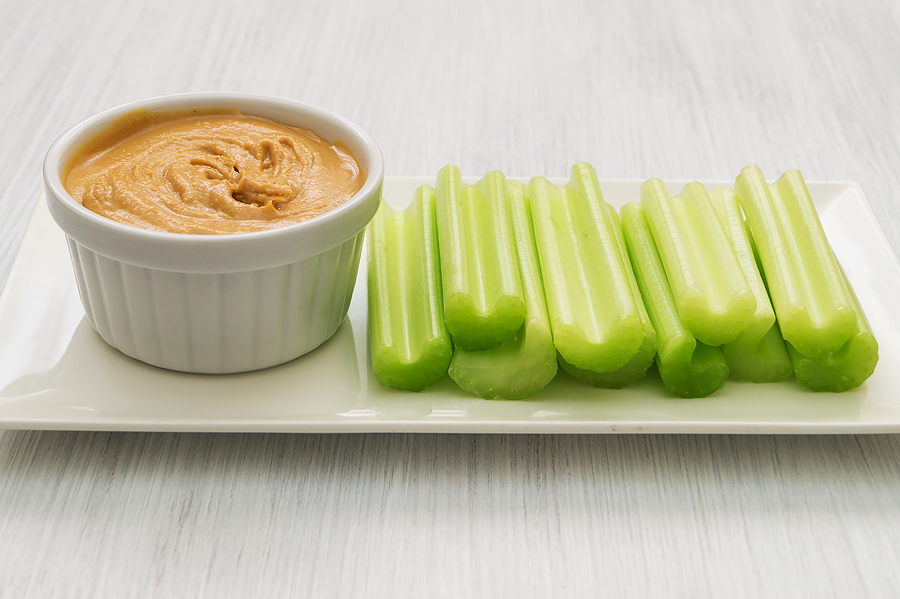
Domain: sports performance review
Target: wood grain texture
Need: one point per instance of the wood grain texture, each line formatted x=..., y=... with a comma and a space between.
x=126, y=514
x=639, y=89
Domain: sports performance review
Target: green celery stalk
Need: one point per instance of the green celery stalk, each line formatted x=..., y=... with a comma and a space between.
x=811, y=300
x=594, y=316
x=524, y=365
x=409, y=342
x=759, y=353
x=636, y=368
x=713, y=297
x=483, y=301
x=848, y=367
x=688, y=367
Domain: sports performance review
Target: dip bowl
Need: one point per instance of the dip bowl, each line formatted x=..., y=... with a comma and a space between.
x=217, y=303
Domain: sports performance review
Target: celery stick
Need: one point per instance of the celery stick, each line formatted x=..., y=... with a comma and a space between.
x=524, y=365
x=594, y=316
x=759, y=353
x=713, y=297
x=483, y=303
x=848, y=367
x=409, y=342
x=637, y=367
x=688, y=367
x=811, y=301
x=632, y=372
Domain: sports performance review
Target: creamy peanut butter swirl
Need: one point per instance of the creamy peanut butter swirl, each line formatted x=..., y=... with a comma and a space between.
x=211, y=173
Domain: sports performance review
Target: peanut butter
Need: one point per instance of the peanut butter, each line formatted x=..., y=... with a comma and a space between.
x=210, y=173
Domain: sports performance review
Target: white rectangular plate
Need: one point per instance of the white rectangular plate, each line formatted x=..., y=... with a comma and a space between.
x=56, y=372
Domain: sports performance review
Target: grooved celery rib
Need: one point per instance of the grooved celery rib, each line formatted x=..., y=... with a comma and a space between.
x=636, y=368
x=409, y=342
x=594, y=316
x=848, y=367
x=713, y=297
x=483, y=303
x=809, y=295
x=759, y=353
x=524, y=365
x=688, y=367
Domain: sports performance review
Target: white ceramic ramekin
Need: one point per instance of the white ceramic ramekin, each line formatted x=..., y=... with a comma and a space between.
x=218, y=303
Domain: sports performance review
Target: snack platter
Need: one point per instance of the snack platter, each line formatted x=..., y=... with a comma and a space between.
x=57, y=373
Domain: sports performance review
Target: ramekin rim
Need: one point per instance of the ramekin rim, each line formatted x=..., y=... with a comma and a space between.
x=60, y=147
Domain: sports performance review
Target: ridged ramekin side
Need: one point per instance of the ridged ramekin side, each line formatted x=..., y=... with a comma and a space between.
x=217, y=322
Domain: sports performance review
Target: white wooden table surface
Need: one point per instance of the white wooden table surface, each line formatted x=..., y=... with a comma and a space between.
x=639, y=89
